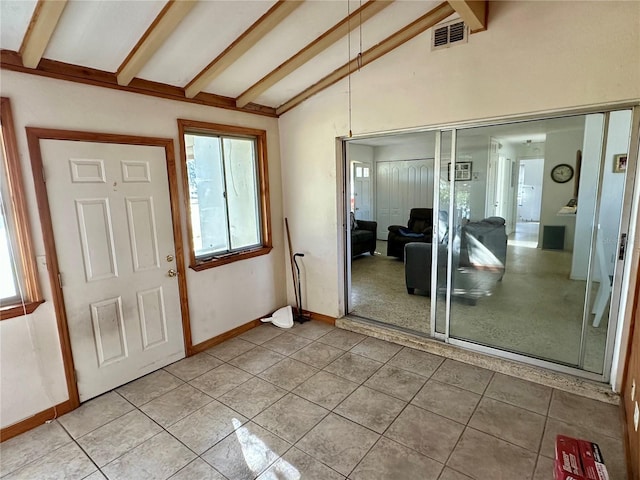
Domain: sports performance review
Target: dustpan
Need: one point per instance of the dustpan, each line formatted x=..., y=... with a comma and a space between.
x=283, y=317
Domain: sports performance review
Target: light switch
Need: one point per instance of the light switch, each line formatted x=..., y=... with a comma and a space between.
x=633, y=390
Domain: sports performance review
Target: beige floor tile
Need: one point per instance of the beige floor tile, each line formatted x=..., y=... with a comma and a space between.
x=192, y=367
x=230, y=349
x=252, y=397
x=291, y=417
x=220, y=380
x=175, y=405
x=157, y=458
x=342, y=339
x=415, y=361
x=207, y=426
x=520, y=393
x=68, y=462
x=198, y=470
x=353, y=367
x=376, y=349
x=317, y=355
x=325, y=389
x=588, y=413
x=18, y=451
x=338, y=443
x=95, y=413
x=287, y=343
x=513, y=424
x=447, y=400
x=118, y=437
x=370, y=408
x=261, y=334
x=149, y=387
x=425, y=432
x=288, y=373
x=463, y=375
x=256, y=360
x=397, y=382
x=246, y=453
x=482, y=457
x=97, y=475
x=544, y=469
x=297, y=464
x=311, y=330
x=390, y=460
x=449, y=474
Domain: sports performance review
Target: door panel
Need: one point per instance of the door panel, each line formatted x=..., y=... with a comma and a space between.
x=114, y=252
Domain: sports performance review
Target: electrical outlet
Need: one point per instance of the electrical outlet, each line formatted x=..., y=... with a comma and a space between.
x=636, y=416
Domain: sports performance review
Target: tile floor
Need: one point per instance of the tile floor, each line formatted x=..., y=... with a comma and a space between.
x=315, y=402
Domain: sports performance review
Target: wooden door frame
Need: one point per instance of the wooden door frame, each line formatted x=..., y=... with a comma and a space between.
x=34, y=135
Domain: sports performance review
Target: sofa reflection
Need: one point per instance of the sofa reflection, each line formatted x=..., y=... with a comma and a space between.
x=479, y=251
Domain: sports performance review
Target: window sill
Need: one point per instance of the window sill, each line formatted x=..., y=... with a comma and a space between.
x=12, y=311
x=230, y=258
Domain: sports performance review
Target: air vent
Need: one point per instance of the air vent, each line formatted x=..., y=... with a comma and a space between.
x=449, y=34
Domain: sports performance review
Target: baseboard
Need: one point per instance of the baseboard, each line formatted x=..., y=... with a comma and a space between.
x=320, y=317
x=213, y=341
x=35, y=420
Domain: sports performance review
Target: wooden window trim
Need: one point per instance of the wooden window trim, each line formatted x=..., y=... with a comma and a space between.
x=29, y=272
x=192, y=126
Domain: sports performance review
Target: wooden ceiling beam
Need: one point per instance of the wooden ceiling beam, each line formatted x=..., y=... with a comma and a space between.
x=324, y=41
x=415, y=28
x=281, y=10
x=473, y=12
x=43, y=23
x=160, y=29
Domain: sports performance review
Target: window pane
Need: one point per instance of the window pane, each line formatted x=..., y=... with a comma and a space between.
x=242, y=198
x=8, y=285
x=206, y=192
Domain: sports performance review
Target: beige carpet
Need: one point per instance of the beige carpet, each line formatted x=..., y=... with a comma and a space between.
x=536, y=310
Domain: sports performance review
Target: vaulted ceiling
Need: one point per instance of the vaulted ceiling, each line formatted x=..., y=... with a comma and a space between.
x=262, y=56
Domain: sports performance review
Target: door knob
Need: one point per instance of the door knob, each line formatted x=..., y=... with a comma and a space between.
x=172, y=273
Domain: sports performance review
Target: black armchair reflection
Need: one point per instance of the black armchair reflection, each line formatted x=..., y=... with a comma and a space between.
x=479, y=259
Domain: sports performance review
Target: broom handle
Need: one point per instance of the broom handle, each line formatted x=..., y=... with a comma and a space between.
x=293, y=272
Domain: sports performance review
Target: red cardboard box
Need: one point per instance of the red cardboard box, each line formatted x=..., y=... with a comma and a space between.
x=578, y=460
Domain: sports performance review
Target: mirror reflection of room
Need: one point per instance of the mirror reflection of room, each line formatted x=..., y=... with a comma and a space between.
x=532, y=229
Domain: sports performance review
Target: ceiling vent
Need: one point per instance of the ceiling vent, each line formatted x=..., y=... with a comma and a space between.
x=449, y=34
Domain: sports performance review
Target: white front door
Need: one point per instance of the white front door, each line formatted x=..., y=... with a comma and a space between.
x=113, y=233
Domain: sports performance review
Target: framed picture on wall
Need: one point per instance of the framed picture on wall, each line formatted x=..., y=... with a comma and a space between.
x=462, y=172
x=620, y=163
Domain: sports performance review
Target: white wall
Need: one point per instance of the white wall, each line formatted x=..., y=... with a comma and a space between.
x=560, y=147
x=535, y=56
x=32, y=371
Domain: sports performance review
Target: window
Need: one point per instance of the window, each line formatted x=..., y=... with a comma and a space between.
x=225, y=184
x=19, y=289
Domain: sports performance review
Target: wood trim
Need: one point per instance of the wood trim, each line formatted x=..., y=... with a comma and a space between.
x=324, y=41
x=415, y=28
x=36, y=420
x=212, y=342
x=29, y=272
x=34, y=135
x=194, y=126
x=160, y=29
x=281, y=10
x=473, y=12
x=13, y=311
x=10, y=60
x=320, y=317
x=174, y=198
x=41, y=27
